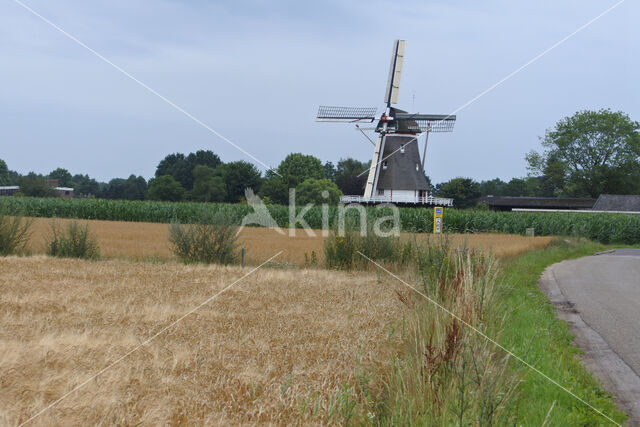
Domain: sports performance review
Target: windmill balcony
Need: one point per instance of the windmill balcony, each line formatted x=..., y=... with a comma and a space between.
x=399, y=199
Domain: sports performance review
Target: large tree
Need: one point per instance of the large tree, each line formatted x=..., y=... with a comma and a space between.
x=165, y=188
x=590, y=153
x=63, y=177
x=298, y=167
x=237, y=177
x=5, y=178
x=351, y=176
x=317, y=191
x=207, y=187
x=464, y=191
x=33, y=185
x=181, y=167
x=84, y=185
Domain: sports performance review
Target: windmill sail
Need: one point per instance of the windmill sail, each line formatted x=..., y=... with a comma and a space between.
x=346, y=114
x=395, y=71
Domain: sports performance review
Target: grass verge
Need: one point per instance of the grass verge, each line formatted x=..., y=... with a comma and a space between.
x=532, y=331
x=465, y=380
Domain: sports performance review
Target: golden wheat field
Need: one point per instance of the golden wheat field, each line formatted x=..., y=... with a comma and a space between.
x=272, y=345
x=140, y=240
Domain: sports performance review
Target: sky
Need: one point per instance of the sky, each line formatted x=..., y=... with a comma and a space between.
x=256, y=71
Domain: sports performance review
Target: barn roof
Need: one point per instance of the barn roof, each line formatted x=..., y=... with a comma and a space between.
x=507, y=202
x=615, y=202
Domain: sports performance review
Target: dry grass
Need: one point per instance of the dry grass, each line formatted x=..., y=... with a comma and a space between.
x=140, y=240
x=251, y=356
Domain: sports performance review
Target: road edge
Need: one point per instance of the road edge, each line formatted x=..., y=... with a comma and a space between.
x=613, y=373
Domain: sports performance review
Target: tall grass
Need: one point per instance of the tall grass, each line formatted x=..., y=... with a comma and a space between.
x=601, y=227
x=72, y=241
x=14, y=233
x=211, y=240
x=443, y=372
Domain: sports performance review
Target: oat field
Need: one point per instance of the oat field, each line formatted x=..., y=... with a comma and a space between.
x=145, y=240
x=275, y=348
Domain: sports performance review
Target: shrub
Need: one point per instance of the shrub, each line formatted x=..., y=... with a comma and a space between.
x=73, y=241
x=14, y=234
x=211, y=240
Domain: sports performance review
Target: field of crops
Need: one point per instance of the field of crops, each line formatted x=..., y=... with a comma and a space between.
x=605, y=228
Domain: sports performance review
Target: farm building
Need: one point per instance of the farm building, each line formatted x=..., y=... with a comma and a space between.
x=617, y=203
x=10, y=190
x=506, y=203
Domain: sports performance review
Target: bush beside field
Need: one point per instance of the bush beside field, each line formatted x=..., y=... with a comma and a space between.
x=604, y=228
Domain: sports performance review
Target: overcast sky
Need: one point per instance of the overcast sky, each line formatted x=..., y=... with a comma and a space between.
x=256, y=71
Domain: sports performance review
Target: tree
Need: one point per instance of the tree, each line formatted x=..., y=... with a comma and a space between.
x=63, y=176
x=207, y=187
x=275, y=189
x=181, y=167
x=351, y=176
x=464, y=191
x=590, y=153
x=33, y=185
x=299, y=167
x=492, y=187
x=238, y=176
x=83, y=185
x=329, y=171
x=317, y=191
x=5, y=178
x=165, y=188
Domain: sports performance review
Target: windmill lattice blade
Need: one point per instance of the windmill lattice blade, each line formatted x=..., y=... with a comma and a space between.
x=346, y=114
x=427, y=122
x=395, y=71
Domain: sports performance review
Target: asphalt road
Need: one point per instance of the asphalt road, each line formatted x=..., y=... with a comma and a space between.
x=600, y=297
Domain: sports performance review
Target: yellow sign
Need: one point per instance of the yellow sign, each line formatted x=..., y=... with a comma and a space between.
x=437, y=219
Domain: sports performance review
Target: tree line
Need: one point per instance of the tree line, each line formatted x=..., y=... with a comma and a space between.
x=585, y=155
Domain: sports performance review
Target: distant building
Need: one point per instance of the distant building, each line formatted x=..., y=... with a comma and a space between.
x=9, y=190
x=66, y=192
x=507, y=203
x=617, y=203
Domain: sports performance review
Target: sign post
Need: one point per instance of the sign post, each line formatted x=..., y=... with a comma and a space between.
x=437, y=219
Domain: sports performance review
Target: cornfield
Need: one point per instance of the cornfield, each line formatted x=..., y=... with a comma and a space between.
x=604, y=228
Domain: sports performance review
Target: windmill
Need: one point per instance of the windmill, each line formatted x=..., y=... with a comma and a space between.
x=396, y=173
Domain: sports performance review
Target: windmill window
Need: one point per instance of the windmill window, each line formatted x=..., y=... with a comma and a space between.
x=402, y=148
x=384, y=165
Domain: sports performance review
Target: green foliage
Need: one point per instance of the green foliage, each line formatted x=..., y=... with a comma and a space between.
x=5, y=178
x=165, y=188
x=591, y=153
x=34, y=186
x=211, y=240
x=239, y=176
x=83, y=185
x=206, y=186
x=464, y=191
x=349, y=176
x=297, y=167
x=317, y=192
x=132, y=188
x=181, y=167
x=344, y=251
x=63, y=176
x=276, y=189
x=601, y=227
x=14, y=233
x=72, y=241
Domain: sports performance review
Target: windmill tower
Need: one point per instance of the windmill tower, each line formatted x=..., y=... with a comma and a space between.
x=397, y=172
